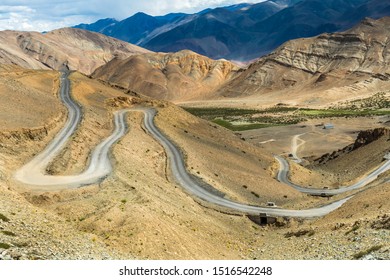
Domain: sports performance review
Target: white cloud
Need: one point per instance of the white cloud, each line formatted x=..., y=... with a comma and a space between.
x=161, y=7
x=31, y=20
x=45, y=15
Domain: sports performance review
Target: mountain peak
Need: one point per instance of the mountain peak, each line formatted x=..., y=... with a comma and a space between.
x=141, y=15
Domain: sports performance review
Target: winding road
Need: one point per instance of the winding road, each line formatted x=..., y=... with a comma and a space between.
x=191, y=185
x=33, y=173
x=284, y=169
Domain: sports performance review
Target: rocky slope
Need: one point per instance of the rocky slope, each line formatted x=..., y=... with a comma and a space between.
x=175, y=76
x=366, y=153
x=364, y=138
x=77, y=49
x=138, y=211
x=340, y=66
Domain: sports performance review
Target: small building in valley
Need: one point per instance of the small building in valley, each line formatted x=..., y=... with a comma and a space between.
x=328, y=126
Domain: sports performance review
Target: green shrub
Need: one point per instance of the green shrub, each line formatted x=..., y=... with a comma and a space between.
x=366, y=252
x=4, y=246
x=354, y=228
x=3, y=218
x=9, y=233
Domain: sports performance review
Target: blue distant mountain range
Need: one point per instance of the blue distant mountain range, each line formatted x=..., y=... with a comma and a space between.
x=240, y=32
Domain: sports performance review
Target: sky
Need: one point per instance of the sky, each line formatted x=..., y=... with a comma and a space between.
x=46, y=15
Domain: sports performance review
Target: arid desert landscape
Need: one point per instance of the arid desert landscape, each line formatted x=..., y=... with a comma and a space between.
x=109, y=150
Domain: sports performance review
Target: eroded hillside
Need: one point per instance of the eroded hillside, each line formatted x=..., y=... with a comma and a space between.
x=179, y=76
x=139, y=211
x=77, y=49
x=320, y=70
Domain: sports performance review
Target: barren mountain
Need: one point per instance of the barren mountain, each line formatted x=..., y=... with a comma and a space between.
x=140, y=210
x=175, y=76
x=322, y=69
x=78, y=49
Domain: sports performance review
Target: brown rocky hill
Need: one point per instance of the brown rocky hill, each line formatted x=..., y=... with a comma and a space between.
x=322, y=69
x=78, y=49
x=179, y=76
x=366, y=153
x=175, y=76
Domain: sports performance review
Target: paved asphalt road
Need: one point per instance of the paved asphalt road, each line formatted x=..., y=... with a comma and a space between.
x=193, y=186
x=34, y=172
x=284, y=170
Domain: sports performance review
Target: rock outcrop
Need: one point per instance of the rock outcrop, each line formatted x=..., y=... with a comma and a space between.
x=363, y=139
x=369, y=136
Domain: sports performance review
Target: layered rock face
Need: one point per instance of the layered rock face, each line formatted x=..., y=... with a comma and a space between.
x=77, y=49
x=364, y=48
x=359, y=55
x=177, y=76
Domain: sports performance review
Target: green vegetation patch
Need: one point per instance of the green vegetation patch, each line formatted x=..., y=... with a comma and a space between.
x=4, y=246
x=212, y=113
x=255, y=119
x=242, y=127
x=329, y=113
x=377, y=101
x=283, y=115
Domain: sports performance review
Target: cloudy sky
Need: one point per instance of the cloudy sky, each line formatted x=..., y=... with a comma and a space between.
x=45, y=15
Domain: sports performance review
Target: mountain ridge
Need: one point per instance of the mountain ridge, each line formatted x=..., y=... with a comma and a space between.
x=247, y=32
x=349, y=63
x=76, y=49
x=172, y=76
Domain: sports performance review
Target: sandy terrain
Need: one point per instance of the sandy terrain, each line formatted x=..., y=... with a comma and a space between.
x=318, y=141
x=24, y=87
x=140, y=212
